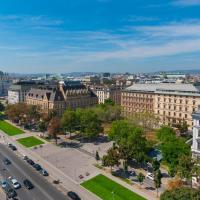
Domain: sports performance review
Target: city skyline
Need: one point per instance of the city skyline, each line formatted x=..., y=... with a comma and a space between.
x=99, y=35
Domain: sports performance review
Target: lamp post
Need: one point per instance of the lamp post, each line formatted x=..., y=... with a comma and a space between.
x=113, y=194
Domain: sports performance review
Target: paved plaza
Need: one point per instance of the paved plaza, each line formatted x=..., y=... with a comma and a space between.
x=69, y=160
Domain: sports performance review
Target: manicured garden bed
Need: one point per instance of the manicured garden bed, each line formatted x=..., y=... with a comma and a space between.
x=107, y=189
x=9, y=129
x=30, y=141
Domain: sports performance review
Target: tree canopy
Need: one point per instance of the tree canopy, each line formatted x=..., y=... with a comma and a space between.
x=182, y=193
x=130, y=140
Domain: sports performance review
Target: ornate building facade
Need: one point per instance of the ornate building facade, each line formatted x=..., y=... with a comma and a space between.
x=172, y=103
x=61, y=98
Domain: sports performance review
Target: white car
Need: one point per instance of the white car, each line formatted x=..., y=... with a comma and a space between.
x=15, y=183
x=150, y=176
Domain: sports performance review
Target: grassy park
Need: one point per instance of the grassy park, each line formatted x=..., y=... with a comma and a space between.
x=109, y=190
x=9, y=129
x=30, y=141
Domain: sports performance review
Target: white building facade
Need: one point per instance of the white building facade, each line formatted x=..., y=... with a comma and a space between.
x=196, y=139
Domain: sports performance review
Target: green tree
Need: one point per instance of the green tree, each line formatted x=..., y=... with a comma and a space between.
x=185, y=166
x=90, y=125
x=166, y=133
x=196, y=168
x=130, y=140
x=140, y=178
x=69, y=121
x=173, y=150
x=111, y=159
x=172, y=147
x=155, y=165
x=181, y=193
x=2, y=107
x=157, y=180
x=54, y=128
x=182, y=127
x=147, y=120
x=42, y=127
x=109, y=102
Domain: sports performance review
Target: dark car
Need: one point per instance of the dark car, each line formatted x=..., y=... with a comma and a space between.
x=11, y=146
x=28, y=184
x=73, y=195
x=44, y=172
x=29, y=161
x=6, y=161
x=11, y=193
x=37, y=167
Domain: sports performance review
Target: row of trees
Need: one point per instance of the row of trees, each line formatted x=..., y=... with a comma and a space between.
x=181, y=193
x=88, y=122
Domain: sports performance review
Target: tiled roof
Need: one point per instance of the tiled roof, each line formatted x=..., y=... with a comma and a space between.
x=51, y=95
x=165, y=87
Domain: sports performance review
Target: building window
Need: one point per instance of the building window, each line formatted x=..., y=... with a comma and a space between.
x=185, y=116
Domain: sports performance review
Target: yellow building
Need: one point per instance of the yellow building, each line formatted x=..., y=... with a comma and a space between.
x=61, y=98
x=172, y=103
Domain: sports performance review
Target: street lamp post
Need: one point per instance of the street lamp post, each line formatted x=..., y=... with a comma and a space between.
x=113, y=194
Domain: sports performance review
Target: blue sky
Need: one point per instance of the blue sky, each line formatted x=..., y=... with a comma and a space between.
x=99, y=35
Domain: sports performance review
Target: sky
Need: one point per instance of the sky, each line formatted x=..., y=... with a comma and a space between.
x=60, y=36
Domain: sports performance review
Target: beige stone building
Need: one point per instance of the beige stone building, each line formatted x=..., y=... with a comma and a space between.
x=172, y=103
x=61, y=98
x=104, y=92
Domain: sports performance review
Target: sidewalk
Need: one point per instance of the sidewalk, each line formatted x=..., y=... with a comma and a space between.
x=66, y=183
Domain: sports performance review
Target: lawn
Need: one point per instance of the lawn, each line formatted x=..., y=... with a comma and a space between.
x=107, y=189
x=30, y=141
x=9, y=129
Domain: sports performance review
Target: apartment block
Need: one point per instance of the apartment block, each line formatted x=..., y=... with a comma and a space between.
x=104, y=92
x=172, y=103
x=17, y=92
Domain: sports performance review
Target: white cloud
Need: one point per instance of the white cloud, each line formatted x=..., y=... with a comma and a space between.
x=29, y=20
x=185, y=3
x=135, y=18
x=171, y=30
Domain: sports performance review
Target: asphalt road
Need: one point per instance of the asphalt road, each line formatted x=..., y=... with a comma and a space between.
x=20, y=170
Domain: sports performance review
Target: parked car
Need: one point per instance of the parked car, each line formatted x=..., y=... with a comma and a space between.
x=15, y=183
x=44, y=172
x=150, y=176
x=31, y=162
x=37, y=167
x=73, y=195
x=14, y=148
x=28, y=184
x=11, y=193
x=24, y=157
x=4, y=183
x=6, y=161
